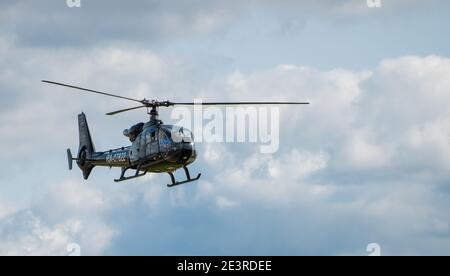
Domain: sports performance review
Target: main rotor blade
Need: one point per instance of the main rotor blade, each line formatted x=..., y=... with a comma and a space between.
x=92, y=91
x=243, y=103
x=124, y=110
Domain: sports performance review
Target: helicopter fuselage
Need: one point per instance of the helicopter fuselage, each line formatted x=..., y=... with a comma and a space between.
x=157, y=149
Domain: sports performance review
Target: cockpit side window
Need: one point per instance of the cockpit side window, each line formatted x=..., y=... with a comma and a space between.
x=164, y=135
x=178, y=134
x=181, y=134
x=164, y=140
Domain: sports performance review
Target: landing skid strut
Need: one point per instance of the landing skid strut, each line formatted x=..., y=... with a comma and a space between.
x=136, y=175
x=188, y=176
x=172, y=177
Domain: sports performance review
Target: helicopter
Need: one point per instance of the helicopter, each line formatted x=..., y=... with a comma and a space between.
x=155, y=147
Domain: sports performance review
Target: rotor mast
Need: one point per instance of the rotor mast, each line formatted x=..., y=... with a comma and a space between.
x=154, y=115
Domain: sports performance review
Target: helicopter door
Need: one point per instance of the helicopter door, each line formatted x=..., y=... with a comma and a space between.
x=164, y=142
x=135, y=152
x=140, y=141
x=152, y=144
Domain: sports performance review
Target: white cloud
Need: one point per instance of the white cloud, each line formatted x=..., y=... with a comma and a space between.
x=362, y=119
x=71, y=212
x=367, y=161
x=363, y=152
x=75, y=198
x=27, y=234
x=299, y=165
x=106, y=21
x=5, y=209
x=371, y=152
x=146, y=22
x=225, y=203
x=432, y=140
x=33, y=110
x=264, y=178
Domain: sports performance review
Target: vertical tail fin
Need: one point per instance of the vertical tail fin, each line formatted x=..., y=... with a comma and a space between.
x=86, y=148
x=85, y=134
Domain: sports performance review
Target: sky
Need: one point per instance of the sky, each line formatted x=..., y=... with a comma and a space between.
x=367, y=162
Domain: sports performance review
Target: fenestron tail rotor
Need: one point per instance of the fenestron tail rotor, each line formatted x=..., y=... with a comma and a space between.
x=155, y=104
